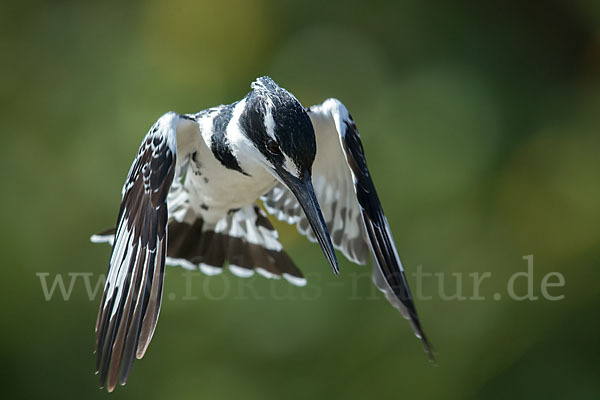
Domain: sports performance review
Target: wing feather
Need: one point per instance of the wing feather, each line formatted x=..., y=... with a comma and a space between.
x=132, y=295
x=350, y=206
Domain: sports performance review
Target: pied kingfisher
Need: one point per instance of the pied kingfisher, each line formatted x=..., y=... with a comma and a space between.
x=199, y=177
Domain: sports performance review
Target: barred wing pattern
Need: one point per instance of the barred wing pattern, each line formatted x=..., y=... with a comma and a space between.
x=132, y=295
x=351, y=207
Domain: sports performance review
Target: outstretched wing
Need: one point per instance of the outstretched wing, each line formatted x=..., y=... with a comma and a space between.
x=350, y=206
x=132, y=295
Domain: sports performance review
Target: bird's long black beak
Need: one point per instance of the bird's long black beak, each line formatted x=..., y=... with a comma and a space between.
x=305, y=194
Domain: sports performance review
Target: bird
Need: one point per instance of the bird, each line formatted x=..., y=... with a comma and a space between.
x=193, y=196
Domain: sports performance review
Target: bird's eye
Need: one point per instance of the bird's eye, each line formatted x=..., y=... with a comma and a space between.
x=273, y=147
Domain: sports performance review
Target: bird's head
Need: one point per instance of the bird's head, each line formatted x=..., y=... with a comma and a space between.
x=284, y=138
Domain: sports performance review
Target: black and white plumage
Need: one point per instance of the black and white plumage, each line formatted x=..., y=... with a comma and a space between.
x=190, y=199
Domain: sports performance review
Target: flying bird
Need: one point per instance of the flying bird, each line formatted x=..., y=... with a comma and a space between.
x=191, y=199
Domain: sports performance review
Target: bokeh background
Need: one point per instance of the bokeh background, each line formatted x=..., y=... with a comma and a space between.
x=481, y=124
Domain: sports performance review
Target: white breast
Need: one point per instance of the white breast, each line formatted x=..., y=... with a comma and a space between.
x=214, y=189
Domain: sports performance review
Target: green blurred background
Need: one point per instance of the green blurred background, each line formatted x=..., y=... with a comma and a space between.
x=481, y=124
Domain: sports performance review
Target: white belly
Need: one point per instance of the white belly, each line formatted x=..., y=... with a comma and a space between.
x=215, y=189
